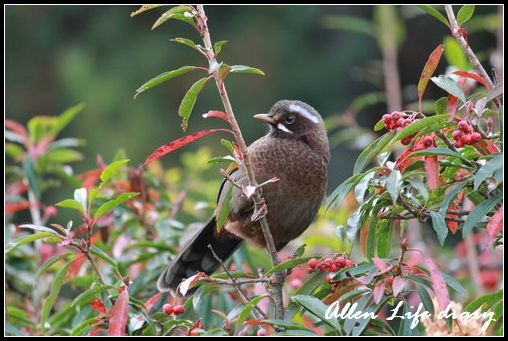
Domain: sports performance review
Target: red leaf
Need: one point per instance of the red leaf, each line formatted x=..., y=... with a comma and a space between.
x=189, y=282
x=179, y=143
x=151, y=301
x=254, y=322
x=432, y=171
x=11, y=207
x=404, y=160
x=495, y=224
x=379, y=263
x=452, y=104
x=218, y=114
x=398, y=285
x=379, y=290
x=89, y=178
x=438, y=284
x=455, y=206
x=197, y=325
x=96, y=331
x=119, y=315
x=17, y=128
x=99, y=306
x=428, y=71
x=76, y=265
x=474, y=76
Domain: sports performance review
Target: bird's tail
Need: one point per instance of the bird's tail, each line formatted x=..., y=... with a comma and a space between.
x=197, y=257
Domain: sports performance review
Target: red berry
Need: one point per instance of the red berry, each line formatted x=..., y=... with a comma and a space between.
x=328, y=262
x=428, y=141
x=396, y=115
x=475, y=137
x=464, y=126
x=313, y=262
x=321, y=267
x=296, y=283
x=466, y=139
x=262, y=332
x=340, y=261
x=168, y=309
x=332, y=268
x=387, y=118
x=458, y=144
x=329, y=277
x=457, y=134
x=349, y=262
x=407, y=122
x=406, y=140
x=178, y=309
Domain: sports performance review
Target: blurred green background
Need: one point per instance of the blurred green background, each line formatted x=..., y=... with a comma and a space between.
x=57, y=56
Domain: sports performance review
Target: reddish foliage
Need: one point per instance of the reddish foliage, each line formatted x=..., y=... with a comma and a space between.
x=432, y=171
x=99, y=306
x=218, y=114
x=16, y=128
x=428, y=71
x=490, y=279
x=398, y=285
x=495, y=224
x=179, y=143
x=453, y=102
x=89, y=178
x=119, y=315
x=455, y=206
x=438, y=284
x=76, y=265
x=12, y=207
x=192, y=330
x=474, y=76
x=379, y=290
x=379, y=263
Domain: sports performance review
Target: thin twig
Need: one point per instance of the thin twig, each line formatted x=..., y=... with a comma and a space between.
x=237, y=286
x=236, y=281
x=257, y=198
x=457, y=33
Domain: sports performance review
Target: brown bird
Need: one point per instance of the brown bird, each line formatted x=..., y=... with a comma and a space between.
x=296, y=151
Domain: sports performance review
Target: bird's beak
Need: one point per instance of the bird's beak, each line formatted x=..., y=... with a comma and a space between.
x=267, y=118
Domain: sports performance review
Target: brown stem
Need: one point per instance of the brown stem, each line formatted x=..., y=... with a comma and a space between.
x=257, y=198
x=456, y=32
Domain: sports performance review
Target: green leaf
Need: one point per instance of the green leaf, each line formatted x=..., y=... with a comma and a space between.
x=54, y=290
x=435, y=13
x=465, y=13
x=246, y=69
x=188, y=101
x=189, y=43
x=248, y=309
x=484, y=302
x=145, y=8
x=178, y=13
x=306, y=289
x=434, y=127
x=288, y=265
x=286, y=324
x=439, y=225
x=104, y=256
x=83, y=327
x=372, y=150
x=63, y=155
x=217, y=47
x=488, y=170
x=112, y=169
x=393, y=185
x=450, y=196
x=439, y=151
x=86, y=296
x=110, y=204
x=39, y=228
x=81, y=196
x=384, y=238
x=426, y=300
x=32, y=177
x=65, y=118
x=224, y=208
x=317, y=308
x=372, y=235
x=163, y=77
x=379, y=125
x=48, y=264
x=27, y=239
x=454, y=54
x=349, y=23
x=339, y=194
x=454, y=284
x=418, y=125
x=480, y=212
x=441, y=105
x=448, y=84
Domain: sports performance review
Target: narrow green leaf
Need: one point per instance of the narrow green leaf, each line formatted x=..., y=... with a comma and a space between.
x=126, y=196
x=426, y=300
x=104, y=256
x=379, y=125
x=65, y=118
x=54, y=290
x=189, y=43
x=339, y=194
x=417, y=125
x=306, y=289
x=484, y=302
x=384, y=238
x=435, y=13
x=441, y=105
x=405, y=324
x=439, y=151
x=434, y=127
x=448, y=84
x=454, y=54
x=393, y=185
x=110, y=204
x=372, y=235
x=86, y=296
x=112, y=169
x=373, y=150
x=83, y=327
x=144, y=8
x=39, y=228
x=286, y=324
x=183, y=13
x=439, y=225
x=248, y=309
x=226, y=158
x=48, y=264
x=288, y=265
x=479, y=213
x=63, y=155
x=317, y=308
x=27, y=239
x=454, y=284
x=188, y=101
x=81, y=196
x=246, y=69
x=450, y=196
x=224, y=207
x=465, y=13
x=488, y=170
x=217, y=47
x=163, y=77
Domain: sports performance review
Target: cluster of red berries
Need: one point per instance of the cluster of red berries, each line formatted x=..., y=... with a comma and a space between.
x=173, y=309
x=464, y=135
x=329, y=264
x=398, y=120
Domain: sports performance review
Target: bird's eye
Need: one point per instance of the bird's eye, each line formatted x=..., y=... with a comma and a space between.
x=290, y=119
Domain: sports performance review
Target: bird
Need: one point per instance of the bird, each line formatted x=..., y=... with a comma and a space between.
x=296, y=151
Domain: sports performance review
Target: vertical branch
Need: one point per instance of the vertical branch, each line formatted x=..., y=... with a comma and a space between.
x=457, y=33
x=259, y=202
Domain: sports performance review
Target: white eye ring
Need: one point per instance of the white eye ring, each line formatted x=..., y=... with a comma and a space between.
x=290, y=119
x=282, y=127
